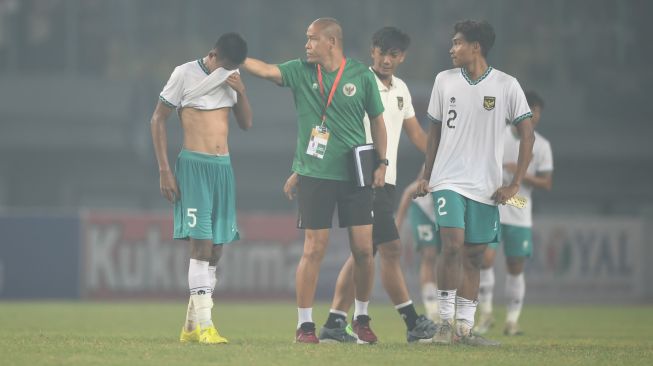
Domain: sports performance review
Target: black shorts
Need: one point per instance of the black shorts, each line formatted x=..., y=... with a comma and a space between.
x=317, y=199
x=384, y=229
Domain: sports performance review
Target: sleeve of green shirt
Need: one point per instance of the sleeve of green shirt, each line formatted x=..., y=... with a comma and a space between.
x=290, y=71
x=373, y=103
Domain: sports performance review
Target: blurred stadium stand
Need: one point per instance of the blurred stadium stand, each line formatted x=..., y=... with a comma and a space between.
x=80, y=78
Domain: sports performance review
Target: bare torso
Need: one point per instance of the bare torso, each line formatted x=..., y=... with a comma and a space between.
x=206, y=131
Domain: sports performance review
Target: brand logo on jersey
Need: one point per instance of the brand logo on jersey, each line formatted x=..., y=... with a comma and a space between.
x=349, y=89
x=400, y=103
x=452, y=100
x=488, y=103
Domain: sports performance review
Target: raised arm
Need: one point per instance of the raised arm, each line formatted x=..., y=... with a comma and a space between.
x=380, y=139
x=167, y=181
x=242, y=109
x=263, y=70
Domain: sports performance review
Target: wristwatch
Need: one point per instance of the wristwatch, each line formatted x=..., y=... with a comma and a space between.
x=385, y=162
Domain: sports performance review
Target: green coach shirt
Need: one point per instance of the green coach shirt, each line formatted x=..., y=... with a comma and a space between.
x=356, y=94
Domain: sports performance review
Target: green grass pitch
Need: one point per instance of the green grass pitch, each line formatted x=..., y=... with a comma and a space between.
x=146, y=333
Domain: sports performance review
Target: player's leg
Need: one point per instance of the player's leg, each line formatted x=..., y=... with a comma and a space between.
x=216, y=254
x=224, y=227
x=335, y=328
x=486, y=290
x=385, y=236
x=360, y=240
x=427, y=243
x=450, y=218
x=192, y=221
x=518, y=247
x=308, y=269
x=418, y=327
x=200, y=282
x=191, y=316
x=392, y=278
x=316, y=200
x=515, y=291
x=355, y=213
x=482, y=227
x=427, y=276
x=449, y=276
x=468, y=292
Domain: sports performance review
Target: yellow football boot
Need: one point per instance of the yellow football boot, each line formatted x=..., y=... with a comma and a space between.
x=210, y=335
x=189, y=337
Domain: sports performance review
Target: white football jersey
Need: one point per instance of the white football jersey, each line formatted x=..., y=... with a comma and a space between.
x=191, y=85
x=398, y=106
x=473, y=117
x=542, y=162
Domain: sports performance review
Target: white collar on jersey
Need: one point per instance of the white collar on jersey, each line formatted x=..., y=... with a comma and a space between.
x=474, y=82
x=380, y=83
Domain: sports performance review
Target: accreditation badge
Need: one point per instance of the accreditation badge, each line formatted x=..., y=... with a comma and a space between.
x=318, y=143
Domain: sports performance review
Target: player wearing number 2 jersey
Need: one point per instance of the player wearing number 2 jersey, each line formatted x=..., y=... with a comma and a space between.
x=469, y=107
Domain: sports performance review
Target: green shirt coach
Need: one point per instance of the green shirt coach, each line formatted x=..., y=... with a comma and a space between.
x=332, y=94
x=355, y=94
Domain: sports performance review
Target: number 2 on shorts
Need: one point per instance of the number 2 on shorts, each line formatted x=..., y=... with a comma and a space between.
x=441, y=203
x=191, y=213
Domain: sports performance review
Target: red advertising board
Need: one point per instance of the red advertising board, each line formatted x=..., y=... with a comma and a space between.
x=132, y=255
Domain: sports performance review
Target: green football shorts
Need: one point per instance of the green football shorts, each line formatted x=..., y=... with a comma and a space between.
x=517, y=241
x=424, y=231
x=479, y=220
x=206, y=209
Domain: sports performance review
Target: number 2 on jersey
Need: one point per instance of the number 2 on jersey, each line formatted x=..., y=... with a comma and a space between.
x=452, y=117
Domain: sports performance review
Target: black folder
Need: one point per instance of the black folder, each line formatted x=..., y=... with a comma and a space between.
x=365, y=159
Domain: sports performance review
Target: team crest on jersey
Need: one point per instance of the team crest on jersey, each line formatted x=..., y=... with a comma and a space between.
x=488, y=103
x=349, y=89
x=400, y=103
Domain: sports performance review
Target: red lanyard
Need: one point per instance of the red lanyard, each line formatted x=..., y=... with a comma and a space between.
x=333, y=88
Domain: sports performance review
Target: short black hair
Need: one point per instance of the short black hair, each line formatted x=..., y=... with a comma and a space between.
x=390, y=38
x=534, y=99
x=232, y=47
x=481, y=32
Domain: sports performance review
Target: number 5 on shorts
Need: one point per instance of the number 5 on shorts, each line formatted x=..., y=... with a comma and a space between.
x=191, y=213
x=425, y=232
x=441, y=203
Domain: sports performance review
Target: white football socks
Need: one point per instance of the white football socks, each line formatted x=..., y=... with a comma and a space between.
x=447, y=300
x=430, y=300
x=191, y=316
x=360, y=308
x=212, y=277
x=304, y=315
x=486, y=290
x=515, y=290
x=199, y=283
x=465, y=311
